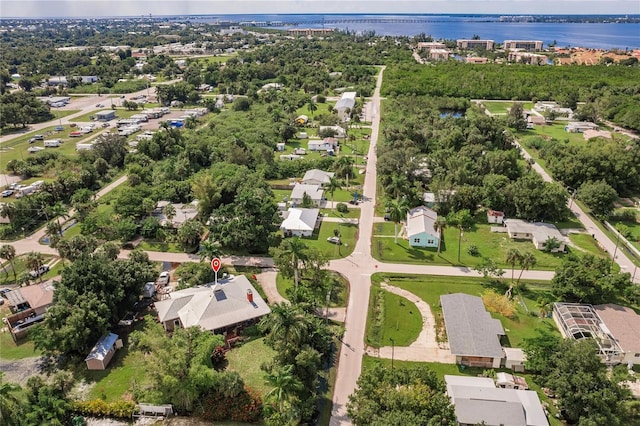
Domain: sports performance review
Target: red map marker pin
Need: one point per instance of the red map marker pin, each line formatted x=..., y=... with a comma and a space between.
x=216, y=264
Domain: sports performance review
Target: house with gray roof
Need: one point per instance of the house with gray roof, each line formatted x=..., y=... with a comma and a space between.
x=474, y=337
x=317, y=177
x=314, y=191
x=227, y=306
x=477, y=400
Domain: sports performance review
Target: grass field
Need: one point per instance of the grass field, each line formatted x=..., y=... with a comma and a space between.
x=430, y=288
x=502, y=107
x=318, y=241
x=9, y=350
x=247, y=359
x=587, y=243
x=340, y=195
x=489, y=244
x=455, y=370
x=160, y=246
x=391, y=318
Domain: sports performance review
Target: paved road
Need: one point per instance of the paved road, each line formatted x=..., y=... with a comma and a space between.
x=626, y=265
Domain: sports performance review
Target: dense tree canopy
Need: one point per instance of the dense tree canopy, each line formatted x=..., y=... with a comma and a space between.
x=400, y=396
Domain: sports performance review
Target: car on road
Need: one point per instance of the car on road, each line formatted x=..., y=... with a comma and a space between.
x=164, y=278
x=4, y=291
x=334, y=240
x=6, y=193
x=99, y=106
x=35, y=273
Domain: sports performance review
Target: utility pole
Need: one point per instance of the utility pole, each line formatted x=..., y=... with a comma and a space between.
x=393, y=347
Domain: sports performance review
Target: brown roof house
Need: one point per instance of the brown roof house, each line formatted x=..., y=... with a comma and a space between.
x=29, y=305
x=223, y=307
x=624, y=326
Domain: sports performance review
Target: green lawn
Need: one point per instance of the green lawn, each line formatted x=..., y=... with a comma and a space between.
x=634, y=228
x=318, y=241
x=490, y=244
x=452, y=369
x=501, y=107
x=588, y=244
x=160, y=246
x=430, y=288
x=353, y=213
x=113, y=383
x=338, y=300
x=9, y=350
x=391, y=317
x=341, y=195
x=247, y=359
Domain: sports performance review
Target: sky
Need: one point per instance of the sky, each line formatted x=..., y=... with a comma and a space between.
x=102, y=8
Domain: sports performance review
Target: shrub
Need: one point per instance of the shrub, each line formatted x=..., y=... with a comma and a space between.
x=244, y=407
x=218, y=356
x=473, y=250
x=342, y=208
x=498, y=303
x=99, y=408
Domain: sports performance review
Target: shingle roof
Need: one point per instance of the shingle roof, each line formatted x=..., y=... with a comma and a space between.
x=313, y=191
x=470, y=329
x=213, y=306
x=103, y=346
x=317, y=175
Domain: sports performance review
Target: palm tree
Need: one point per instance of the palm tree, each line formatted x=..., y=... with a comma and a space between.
x=284, y=324
x=331, y=187
x=58, y=210
x=461, y=219
x=397, y=186
x=513, y=257
x=8, y=252
x=296, y=250
x=545, y=305
x=344, y=168
x=285, y=385
x=9, y=403
x=34, y=262
x=397, y=211
x=312, y=107
x=527, y=260
x=441, y=223
x=209, y=249
x=170, y=212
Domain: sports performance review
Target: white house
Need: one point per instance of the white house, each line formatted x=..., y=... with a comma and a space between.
x=313, y=191
x=317, y=177
x=325, y=144
x=477, y=400
x=299, y=222
x=537, y=232
x=580, y=126
x=344, y=106
x=183, y=212
x=421, y=227
x=495, y=216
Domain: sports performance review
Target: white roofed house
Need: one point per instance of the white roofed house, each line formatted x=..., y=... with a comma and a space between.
x=317, y=177
x=225, y=307
x=299, y=222
x=182, y=213
x=421, y=227
x=325, y=144
x=538, y=232
x=345, y=105
x=339, y=132
x=315, y=192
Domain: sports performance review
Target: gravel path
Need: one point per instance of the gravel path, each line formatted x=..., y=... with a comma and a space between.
x=18, y=371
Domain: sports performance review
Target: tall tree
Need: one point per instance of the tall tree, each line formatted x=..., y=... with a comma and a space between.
x=10, y=404
x=312, y=107
x=292, y=253
x=58, y=210
x=285, y=386
x=397, y=211
x=526, y=261
x=332, y=186
x=461, y=219
x=34, y=262
x=513, y=257
x=441, y=223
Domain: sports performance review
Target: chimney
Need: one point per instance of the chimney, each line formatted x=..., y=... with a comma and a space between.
x=250, y=296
